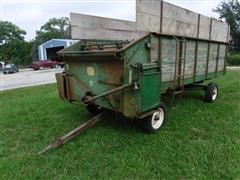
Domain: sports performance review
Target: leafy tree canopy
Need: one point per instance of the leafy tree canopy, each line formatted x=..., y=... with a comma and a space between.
x=10, y=33
x=230, y=11
x=54, y=28
x=11, y=40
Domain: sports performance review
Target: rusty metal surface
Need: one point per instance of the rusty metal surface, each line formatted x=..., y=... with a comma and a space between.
x=110, y=72
x=61, y=85
x=108, y=93
x=107, y=74
x=94, y=46
x=65, y=84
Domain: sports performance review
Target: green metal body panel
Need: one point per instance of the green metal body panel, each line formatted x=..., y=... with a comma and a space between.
x=148, y=65
x=150, y=90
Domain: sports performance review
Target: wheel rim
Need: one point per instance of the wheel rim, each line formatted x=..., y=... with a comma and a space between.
x=215, y=92
x=157, y=118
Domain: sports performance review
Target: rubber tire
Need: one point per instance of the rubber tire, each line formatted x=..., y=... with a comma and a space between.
x=146, y=123
x=209, y=92
x=94, y=109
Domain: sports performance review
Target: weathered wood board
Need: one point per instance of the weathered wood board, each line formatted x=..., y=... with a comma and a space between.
x=221, y=58
x=219, y=31
x=204, y=27
x=201, y=58
x=148, y=14
x=168, y=53
x=162, y=17
x=190, y=58
x=178, y=21
x=151, y=16
x=213, y=55
x=93, y=27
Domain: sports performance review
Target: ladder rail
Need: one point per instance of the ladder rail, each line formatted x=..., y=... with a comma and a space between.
x=175, y=69
x=179, y=73
x=184, y=66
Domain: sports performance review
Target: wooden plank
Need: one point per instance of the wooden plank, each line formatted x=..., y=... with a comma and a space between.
x=213, y=55
x=219, y=31
x=92, y=27
x=204, y=27
x=168, y=49
x=163, y=17
x=148, y=15
x=201, y=58
x=221, y=58
x=154, y=49
x=179, y=21
x=190, y=58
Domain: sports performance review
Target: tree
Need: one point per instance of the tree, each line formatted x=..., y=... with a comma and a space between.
x=230, y=11
x=11, y=41
x=54, y=28
x=25, y=51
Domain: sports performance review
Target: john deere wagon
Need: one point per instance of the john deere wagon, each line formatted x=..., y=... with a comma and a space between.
x=126, y=67
x=130, y=77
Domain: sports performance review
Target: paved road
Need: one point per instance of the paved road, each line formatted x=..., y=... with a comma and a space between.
x=27, y=77
x=234, y=67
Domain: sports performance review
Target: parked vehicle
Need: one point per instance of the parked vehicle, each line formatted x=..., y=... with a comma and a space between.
x=39, y=65
x=10, y=68
x=61, y=64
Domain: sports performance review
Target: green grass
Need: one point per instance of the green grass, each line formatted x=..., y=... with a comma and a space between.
x=199, y=140
x=234, y=59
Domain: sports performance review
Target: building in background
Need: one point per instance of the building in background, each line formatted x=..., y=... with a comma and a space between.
x=49, y=49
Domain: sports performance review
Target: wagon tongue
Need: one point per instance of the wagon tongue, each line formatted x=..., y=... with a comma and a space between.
x=74, y=133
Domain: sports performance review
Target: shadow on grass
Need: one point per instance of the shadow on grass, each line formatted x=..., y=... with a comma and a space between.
x=117, y=122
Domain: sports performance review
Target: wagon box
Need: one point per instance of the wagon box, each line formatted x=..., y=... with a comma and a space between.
x=130, y=76
x=126, y=66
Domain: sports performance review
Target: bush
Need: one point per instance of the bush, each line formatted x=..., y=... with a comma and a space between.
x=234, y=59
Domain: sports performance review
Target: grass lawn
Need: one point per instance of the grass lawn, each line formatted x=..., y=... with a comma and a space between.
x=199, y=139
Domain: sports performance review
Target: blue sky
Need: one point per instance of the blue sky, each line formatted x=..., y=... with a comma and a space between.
x=30, y=15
